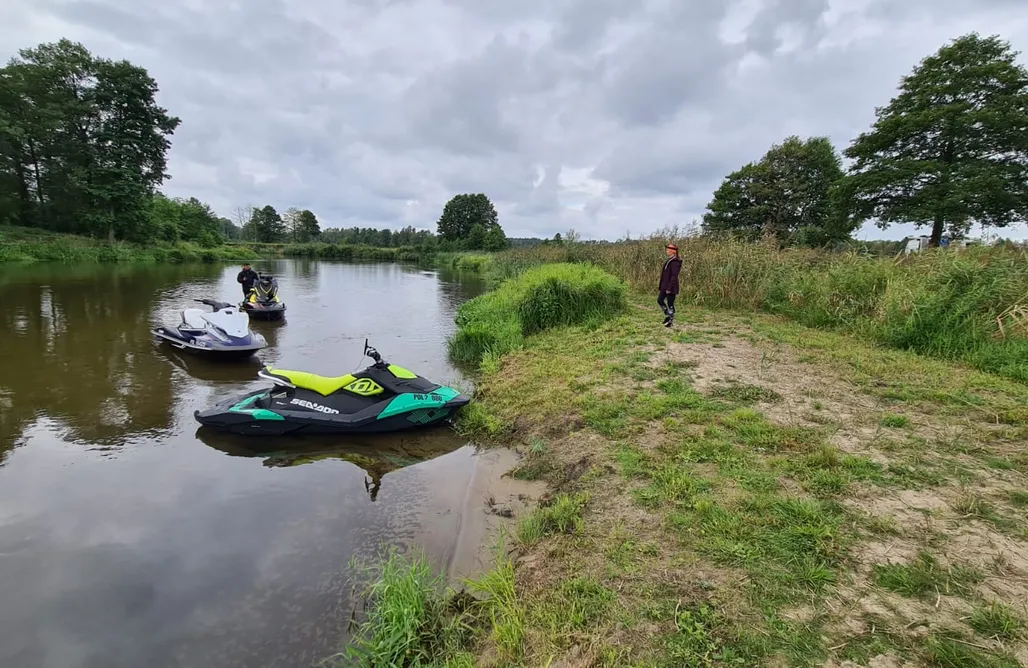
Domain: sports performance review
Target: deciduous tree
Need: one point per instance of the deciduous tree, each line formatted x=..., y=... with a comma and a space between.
x=951, y=149
x=787, y=194
x=462, y=213
x=267, y=225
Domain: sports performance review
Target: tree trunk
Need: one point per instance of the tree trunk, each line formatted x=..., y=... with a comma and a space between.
x=43, y=214
x=937, y=226
x=25, y=216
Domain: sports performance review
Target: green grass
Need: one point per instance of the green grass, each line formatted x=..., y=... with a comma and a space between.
x=895, y=421
x=542, y=298
x=949, y=650
x=413, y=620
x=406, y=622
x=465, y=262
x=344, y=252
x=19, y=244
x=562, y=516
x=749, y=518
x=996, y=621
x=923, y=577
x=1019, y=499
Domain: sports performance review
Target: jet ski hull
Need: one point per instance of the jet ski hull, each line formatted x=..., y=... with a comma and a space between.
x=278, y=411
x=259, y=311
x=208, y=346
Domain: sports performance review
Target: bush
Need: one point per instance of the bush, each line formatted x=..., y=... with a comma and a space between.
x=544, y=297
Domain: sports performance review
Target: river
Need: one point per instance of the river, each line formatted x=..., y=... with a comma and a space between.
x=127, y=539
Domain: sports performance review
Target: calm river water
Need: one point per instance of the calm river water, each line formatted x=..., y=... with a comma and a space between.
x=128, y=540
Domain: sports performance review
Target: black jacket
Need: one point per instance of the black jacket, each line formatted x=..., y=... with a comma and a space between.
x=247, y=277
x=669, y=275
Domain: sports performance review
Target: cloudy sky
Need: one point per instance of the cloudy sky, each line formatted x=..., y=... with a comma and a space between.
x=606, y=116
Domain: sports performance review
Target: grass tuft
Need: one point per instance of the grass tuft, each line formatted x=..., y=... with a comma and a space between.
x=564, y=515
x=924, y=577
x=996, y=621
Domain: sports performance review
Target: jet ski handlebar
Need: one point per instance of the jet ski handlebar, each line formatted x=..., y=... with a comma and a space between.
x=372, y=353
x=214, y=303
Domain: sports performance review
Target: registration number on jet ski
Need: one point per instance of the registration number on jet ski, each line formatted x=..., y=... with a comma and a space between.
x=313, y=406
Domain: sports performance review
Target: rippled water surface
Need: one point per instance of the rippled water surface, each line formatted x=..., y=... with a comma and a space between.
x=128, y=539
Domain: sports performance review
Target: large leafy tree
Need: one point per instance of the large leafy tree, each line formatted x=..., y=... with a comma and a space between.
x=185, y=219
x=462, y=214
x=787, y=194
x=267, y=225
x=951, y=149
x=307, y=227
x=83, y=143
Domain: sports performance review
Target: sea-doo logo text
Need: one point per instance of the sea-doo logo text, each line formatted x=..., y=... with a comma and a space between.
x=314, y=407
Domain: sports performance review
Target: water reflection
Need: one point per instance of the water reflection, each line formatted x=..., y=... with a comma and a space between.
x=75, y=348
x=215, y=371
x=377, y=454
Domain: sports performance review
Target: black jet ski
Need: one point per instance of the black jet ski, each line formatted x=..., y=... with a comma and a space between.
x=263, y=301
x=383, y=397
x=222, y=333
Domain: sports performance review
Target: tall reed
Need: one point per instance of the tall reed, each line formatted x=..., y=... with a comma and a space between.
x=969, y=305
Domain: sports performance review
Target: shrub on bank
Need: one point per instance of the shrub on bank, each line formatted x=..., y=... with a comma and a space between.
x=969, y=305
x=544, y=297
x=472, y=263
x=349, y=252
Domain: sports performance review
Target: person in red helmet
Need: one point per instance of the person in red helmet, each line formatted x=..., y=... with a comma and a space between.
x=669, y=284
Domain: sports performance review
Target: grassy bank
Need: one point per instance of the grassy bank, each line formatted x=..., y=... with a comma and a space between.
x=747, y=491
x=969, y=305
x=342, y=252
x=465, y=262
x=415, y=620
x=744, y=490
x=19, y=244
x=543, y=297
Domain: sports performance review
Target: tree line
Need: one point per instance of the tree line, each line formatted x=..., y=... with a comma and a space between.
x=948, y=151
x=83, y=150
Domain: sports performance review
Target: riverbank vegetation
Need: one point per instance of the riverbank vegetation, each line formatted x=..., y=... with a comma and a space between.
x=26, y=244
x=965, y=305
x=742, y=490
x=20, y=244
x=544, y=297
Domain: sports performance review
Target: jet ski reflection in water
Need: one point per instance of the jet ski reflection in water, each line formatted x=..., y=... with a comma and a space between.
x=263, y=302
x=383, y=397
x=223, y=333
x=377, y=456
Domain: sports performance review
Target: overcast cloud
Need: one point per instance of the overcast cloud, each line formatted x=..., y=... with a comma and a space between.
x=607, y=116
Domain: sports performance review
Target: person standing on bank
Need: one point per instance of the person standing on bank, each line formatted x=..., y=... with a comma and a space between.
x=247, y=277
x=669, y=284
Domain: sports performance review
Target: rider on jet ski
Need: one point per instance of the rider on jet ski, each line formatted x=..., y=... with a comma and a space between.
x=247, y=277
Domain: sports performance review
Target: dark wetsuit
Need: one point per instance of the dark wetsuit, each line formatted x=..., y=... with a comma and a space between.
x=247, y=278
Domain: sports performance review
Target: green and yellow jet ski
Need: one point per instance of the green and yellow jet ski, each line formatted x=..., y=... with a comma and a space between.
x=263, y=302
x=383, y=397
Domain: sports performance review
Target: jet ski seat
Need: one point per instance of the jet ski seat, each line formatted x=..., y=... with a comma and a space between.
x=323, y=385
x=192, y=318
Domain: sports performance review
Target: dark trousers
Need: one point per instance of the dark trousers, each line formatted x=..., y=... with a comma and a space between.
x=246, y=290
x=669, y=306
